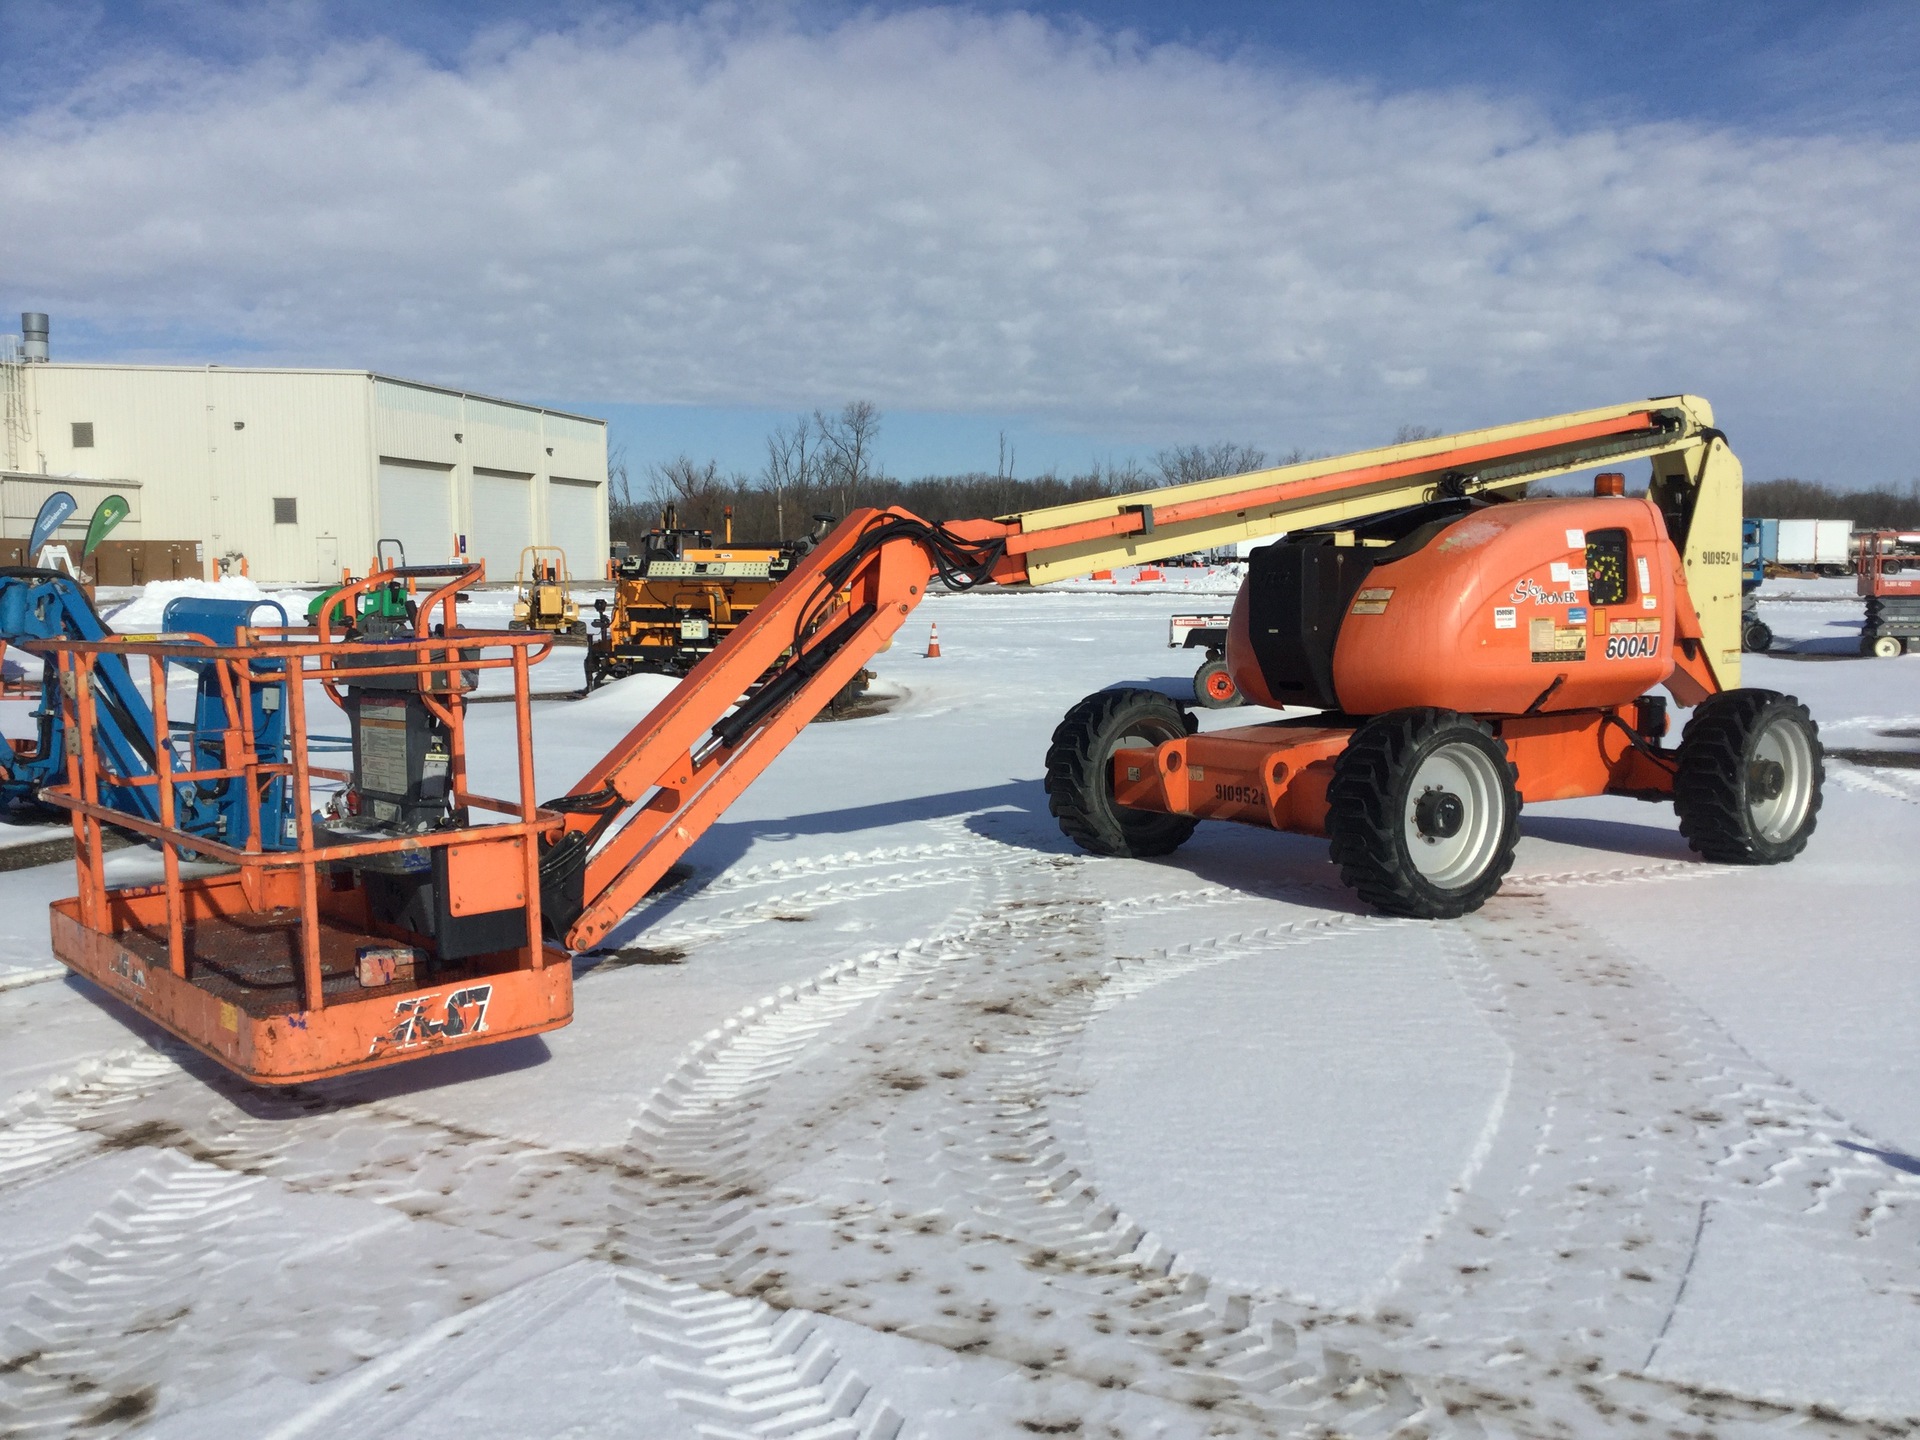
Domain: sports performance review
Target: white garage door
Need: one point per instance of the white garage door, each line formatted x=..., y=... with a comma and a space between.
x=575, y=516
x=502, y=521
x=416, y=508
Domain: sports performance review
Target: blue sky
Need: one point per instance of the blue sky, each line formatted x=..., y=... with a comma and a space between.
x=1095, y=229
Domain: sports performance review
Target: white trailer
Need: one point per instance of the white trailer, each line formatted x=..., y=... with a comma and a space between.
x=1815, y=544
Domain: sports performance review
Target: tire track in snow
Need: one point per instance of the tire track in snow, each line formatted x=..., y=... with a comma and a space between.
x=1889, y=785
x=1072, y=1244
x=731, y=1361
x=1627, y=875
x=1628, y=1109
x=688, y=1227
x=217, y=1192
x=782, y=872
x=92, y=1336
x=59, y=1122
x=1213, y=1345
x=695, y=931
x=1045, y=1200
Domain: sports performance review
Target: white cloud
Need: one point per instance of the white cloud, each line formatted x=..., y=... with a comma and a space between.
x=940, y=211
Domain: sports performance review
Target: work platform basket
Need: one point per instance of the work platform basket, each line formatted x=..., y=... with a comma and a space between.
x=279, y=965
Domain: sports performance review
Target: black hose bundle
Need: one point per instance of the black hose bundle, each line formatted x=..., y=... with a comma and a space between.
x=961, y=564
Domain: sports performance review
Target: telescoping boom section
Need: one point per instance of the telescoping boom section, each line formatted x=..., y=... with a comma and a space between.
x=392, y=926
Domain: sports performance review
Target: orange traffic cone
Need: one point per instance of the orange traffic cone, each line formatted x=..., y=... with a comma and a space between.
x=933, y=641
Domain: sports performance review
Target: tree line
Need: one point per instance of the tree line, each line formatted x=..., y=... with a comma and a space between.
x=1883, y=507
x=828, y=464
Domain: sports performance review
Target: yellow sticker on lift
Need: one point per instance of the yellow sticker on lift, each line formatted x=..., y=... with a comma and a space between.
x=229, y=1017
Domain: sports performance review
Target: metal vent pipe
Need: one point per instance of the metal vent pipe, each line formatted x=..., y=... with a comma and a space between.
x=33, y=337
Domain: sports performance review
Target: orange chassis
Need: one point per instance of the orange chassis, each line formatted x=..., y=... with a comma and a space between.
x=256, y=968
x=1276, y=775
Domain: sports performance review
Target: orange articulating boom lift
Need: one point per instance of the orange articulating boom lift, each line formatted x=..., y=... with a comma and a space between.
x=1452, y=652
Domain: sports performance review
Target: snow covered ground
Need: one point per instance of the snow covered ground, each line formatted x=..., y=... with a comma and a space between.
x=903, y=1116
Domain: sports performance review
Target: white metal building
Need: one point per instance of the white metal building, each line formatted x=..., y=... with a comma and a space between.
x=302, y=471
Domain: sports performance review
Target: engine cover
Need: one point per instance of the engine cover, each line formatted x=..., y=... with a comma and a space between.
x=1552, y=604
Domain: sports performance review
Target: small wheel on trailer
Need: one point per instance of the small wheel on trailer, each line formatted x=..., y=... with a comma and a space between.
x=1213, y=686
x=1080, y=773
x=1750, y=771
x=1886, y=647
x=1756, y=636
x=1424, y=813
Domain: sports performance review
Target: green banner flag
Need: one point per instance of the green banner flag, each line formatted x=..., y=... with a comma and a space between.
x=110, y=512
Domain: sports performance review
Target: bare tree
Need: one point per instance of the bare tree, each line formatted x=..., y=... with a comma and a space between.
x=846, y=448
x=624, y=518
x=1407, y=434
x=1005, y=472
x=697, y=491
x=1184, y=464
x=789, y=469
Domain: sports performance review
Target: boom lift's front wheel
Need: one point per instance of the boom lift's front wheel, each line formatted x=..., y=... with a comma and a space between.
x=1747, y=789
x=1080, y=773
x=1424, y=813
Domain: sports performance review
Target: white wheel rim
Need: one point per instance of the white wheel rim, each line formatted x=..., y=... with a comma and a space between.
x=1775, y=817
x=1472, y=777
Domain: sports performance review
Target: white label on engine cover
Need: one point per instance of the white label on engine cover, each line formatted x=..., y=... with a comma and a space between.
x=1576, y=539
x=1648, y=602
x=1506, y=617
x=1579, y=578
x=1646, y=581
x=383, y=746
x=1560, y=571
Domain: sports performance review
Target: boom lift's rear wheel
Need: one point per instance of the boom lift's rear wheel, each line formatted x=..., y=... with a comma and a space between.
x=1756, y=636
x=1080, y=773
x=1747, y=789
x=1213, y=686
x=1424, y=813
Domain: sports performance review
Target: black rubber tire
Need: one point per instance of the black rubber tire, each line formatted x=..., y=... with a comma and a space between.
x=1080, y=776
x=1212, y=672
x=1370, y=807
x=1716, y=766
x=1756, y=637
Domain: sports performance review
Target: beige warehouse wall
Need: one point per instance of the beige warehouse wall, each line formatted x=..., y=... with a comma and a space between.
x=211, y=448
x=420, y=425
